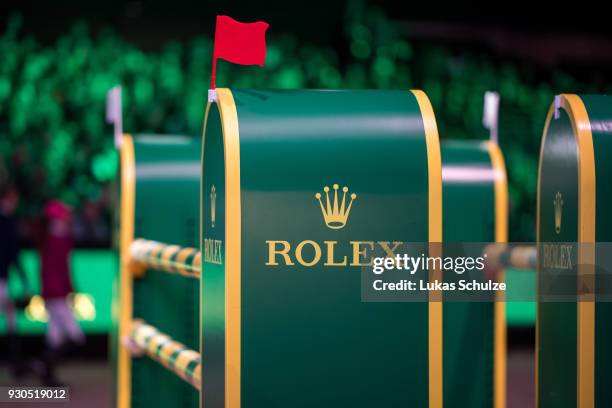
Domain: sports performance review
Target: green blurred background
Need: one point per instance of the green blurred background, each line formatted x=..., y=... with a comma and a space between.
x=93, y=274
x=58, y=60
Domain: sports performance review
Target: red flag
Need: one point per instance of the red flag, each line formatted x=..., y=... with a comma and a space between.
x=239, y=43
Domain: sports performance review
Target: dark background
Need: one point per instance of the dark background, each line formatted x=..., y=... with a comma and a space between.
x=60, y=57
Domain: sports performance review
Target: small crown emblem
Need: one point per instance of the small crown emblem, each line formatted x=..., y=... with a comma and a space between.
x=213, y=205
x=558, y=203
x=335, y=215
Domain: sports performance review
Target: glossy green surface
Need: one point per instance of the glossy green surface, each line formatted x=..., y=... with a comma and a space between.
x=167, y=210
x=307, y=339
x=213, y=275
x=557, y=320
x=469, y=216
x=599, y=109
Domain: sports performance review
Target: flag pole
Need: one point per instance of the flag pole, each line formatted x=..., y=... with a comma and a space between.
x=490, y=114
x=212, y=92
x=213, y=86
x=114, y=113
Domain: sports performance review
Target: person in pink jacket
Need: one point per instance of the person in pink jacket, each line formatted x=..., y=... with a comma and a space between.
x=63, y=332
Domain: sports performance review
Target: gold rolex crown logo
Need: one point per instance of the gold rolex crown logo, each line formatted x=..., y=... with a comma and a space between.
x=558, y=203
x=213, y=205
x=335, y=215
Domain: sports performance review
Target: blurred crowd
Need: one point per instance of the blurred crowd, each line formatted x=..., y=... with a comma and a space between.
x=54, y=246
x=55, y=142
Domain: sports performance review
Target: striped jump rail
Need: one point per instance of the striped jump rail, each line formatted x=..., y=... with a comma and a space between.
x=173, y=355
x=167, y=258
x=521, y=257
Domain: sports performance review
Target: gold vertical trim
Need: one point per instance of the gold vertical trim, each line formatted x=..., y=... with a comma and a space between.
x=126, y=236
x=586, y=255
x=231, y=142
x=585, y=324
x=501, y=236
x=501, y=192
x=434, y=164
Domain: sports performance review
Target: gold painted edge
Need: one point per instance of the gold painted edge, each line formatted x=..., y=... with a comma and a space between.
x=231, y=142
x=585, y=324
x=501, y=236
x=434, y=164
x=126, y=236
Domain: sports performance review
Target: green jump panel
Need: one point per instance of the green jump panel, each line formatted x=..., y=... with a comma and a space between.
x=475, y=210
x=166, y=184
x=283, y=323
x=573, y=334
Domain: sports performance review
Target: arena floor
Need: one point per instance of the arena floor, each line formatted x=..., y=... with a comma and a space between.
x=90, y=382
x=521, y=370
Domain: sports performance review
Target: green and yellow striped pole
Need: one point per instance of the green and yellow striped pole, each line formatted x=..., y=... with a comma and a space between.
x=173, y=355
x=164, y=257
